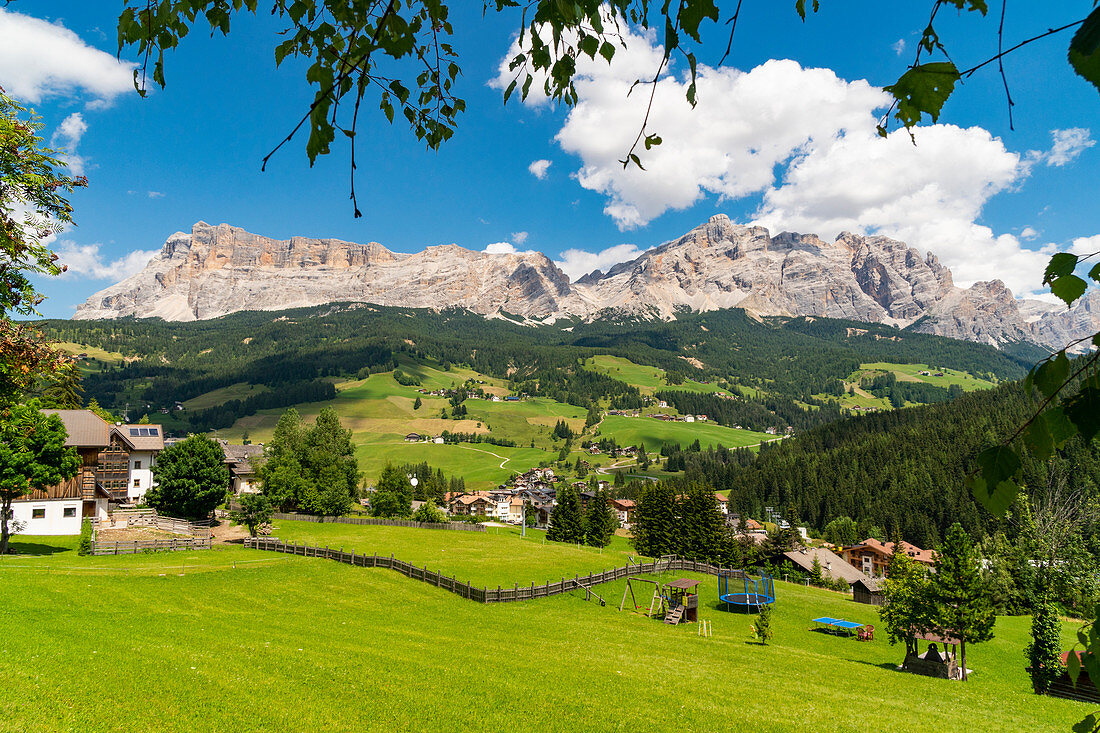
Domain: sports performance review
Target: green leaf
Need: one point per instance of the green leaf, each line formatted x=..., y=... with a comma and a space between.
x=1084, y=49
x=1073, y=666
x=1038, y=440
x=800, y=8
x=998, y=464
x=996, y=501
x=1088, y=724
x=1083, y=409
x=589, y=45
x=1094, y=273
x=607, y=50
x=1058, y=425
x=511, y=88
x=1049, y=375
x=1069, y=288
x=923, y=89
x=1060, y=265
x=693, y=13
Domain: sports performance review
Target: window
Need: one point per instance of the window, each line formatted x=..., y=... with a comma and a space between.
x=137, y=465
x=137, y=483
x=39, y=513
x=69, y=512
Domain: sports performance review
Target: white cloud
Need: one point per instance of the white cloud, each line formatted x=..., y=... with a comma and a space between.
x=1029, y=233
x=803, y=140
x=538, y=168
x=899, y=46
x=1068, y=145
x=39, y=59
x=520, y=237
x=156, y=195
x=1086, y=245
x=577, y=263
x=66, y=137
x=87, y=261
x=500, y=248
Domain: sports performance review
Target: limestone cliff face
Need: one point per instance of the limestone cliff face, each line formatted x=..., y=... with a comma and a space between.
x=221, y=269
x=216, y=270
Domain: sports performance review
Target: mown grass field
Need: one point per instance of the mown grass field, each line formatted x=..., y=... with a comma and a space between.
x=648, y=379
x=247, y=640
x=911, y=373
x=656, y=433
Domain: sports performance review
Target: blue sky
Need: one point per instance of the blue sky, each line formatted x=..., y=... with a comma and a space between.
x=784, y=143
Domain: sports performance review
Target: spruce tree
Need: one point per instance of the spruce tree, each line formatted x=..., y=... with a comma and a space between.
x=600, y=521
x=961, y=606
x=566, y=521
x=655, y=521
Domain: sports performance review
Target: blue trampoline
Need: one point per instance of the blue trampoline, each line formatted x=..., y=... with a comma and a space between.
x=742, y=592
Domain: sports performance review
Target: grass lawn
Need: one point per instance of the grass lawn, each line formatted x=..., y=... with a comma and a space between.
x=288, y=643
x=93, y=352
x=239, y=391
x=911, y=373
x=655, y=433
x=648, y=379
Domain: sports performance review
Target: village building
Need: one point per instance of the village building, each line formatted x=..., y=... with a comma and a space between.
x=624, y=511
x=723, y=503
x=60, y=509
x=141, y=443
x=870, y=590
x=832, y=566
x=240, y=460
x=872, y=556
x=412, y=438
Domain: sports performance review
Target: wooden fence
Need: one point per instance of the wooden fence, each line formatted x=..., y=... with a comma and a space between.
x=460, y=526
x=484, y=594
x=136, y=546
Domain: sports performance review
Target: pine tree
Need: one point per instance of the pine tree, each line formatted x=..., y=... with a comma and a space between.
x=600, y=520
x=417, y=403
x=1045, y=664
x=566, y=522
x=762, y=626
x=655, y=522
x=961, y=607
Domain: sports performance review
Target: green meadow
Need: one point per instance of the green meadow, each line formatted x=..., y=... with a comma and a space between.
x=647, y=379
x=656, y=433
x=233, y=640
x=911, y=373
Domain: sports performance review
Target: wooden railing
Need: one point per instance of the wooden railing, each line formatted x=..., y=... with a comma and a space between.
x=459, y=526
x=483, y=594
x=136, y=546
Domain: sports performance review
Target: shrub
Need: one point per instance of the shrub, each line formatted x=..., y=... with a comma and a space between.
x=429, y=513
x=85, y=546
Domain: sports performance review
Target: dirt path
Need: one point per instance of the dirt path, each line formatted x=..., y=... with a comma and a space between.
x=495, y=455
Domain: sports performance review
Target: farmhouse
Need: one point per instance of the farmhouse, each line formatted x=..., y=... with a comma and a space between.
x=872, y=556
x=141, y=444
x=58, y=510
x=239, y=460
x=472, y=504
x=412, y=438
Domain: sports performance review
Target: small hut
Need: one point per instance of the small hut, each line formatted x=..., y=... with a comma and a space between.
x=869, y=590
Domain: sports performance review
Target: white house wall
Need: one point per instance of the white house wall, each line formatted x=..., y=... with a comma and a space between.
x=141, y=479
x=54, y=522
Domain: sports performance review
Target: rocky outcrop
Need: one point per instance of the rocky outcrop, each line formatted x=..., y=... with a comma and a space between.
x=221, y=269
x=216, y=270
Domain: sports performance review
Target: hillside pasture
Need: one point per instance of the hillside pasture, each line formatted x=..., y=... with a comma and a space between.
x=657, y=433
x=648, y=379
x=232, y=639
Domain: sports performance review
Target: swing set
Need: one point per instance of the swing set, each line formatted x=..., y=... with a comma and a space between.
x=658, y=604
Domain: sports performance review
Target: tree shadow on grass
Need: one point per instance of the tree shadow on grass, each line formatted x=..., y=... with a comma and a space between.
x=888, y=666
x=15, y=547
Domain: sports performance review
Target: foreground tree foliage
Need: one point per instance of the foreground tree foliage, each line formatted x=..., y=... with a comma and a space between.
x=1043, y=653
x=33, y=207
x=960, y=605
x=907, y=608
x=393, y=494
x=32, y=456
x=190, y=479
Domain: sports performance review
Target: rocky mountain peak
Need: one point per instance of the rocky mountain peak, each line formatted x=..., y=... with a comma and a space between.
x=219, y=269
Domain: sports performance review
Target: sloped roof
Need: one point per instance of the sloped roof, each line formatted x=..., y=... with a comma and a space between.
x=240, y=457
x=887, y=548
x=85, y=428
x=832, y=565
x=141, y=437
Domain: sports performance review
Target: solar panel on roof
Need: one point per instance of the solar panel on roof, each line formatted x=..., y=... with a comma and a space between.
x=134, y=432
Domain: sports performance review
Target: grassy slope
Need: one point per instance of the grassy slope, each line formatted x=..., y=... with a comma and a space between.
x=655, y=433
x=648, y=379
x=245, y=640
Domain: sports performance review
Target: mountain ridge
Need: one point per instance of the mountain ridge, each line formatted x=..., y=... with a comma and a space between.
x=221, y=269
